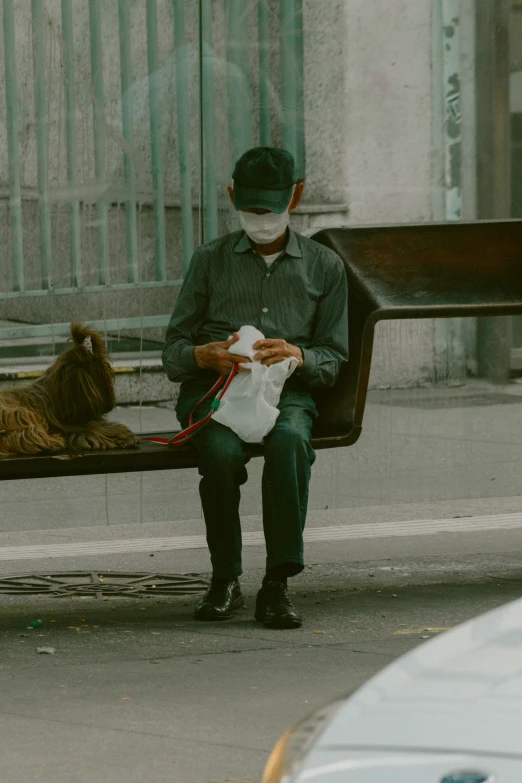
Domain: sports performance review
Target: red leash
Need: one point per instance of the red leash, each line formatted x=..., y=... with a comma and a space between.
x=185, y=435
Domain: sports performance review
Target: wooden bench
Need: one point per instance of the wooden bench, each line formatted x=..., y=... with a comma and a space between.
x=397, y=272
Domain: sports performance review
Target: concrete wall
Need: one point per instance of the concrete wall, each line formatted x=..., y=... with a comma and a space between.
x=369, y=119
x=388, y=131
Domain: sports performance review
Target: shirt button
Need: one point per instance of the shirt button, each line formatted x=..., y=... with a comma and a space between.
x=265, y=309
x=267, y=274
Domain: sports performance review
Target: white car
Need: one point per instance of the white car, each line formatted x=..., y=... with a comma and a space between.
x=450, y=711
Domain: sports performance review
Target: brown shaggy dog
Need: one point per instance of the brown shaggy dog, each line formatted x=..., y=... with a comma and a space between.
x=63, y=410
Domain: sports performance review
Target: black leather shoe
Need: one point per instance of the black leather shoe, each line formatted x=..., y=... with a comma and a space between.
x=220, y=601
x=273, y=607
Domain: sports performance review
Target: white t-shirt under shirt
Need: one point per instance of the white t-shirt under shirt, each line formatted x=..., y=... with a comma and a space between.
x=269, y=260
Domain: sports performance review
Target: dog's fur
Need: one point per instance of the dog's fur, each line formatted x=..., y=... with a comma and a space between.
x=63, y=410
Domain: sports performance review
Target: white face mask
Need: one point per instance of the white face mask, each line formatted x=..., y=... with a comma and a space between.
x=264, y=229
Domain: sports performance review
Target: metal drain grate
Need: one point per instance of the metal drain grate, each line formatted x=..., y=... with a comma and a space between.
x=70, y=584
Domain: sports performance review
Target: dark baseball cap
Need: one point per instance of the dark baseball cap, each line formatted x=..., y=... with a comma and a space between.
x=263, y=179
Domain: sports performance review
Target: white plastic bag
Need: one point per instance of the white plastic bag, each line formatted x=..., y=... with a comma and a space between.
x=249, y=407
x=248, y=337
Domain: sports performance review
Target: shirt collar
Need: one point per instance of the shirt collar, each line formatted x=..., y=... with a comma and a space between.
x=292, y=246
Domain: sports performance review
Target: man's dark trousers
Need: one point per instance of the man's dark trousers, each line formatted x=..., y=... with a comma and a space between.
x=288, y=455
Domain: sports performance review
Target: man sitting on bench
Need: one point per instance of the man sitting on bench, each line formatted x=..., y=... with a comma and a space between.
x=294, y=291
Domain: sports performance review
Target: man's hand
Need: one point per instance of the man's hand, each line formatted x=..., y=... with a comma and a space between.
x=215, y=356
x=275, y=351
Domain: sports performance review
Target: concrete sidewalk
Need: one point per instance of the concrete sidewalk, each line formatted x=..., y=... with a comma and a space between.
x=418, y=446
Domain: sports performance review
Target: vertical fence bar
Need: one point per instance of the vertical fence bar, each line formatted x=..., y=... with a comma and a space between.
x=265, y=98
x=238, y=72
x=187, y=226
x=300, y=118
x=128, y=132
x=100, y=142
x=72, y=143
x=155, y=140
x=41, y=140
x=288, y=75
x=11, y=99
x=210, y=229
x=292, y=90
x=202, y=194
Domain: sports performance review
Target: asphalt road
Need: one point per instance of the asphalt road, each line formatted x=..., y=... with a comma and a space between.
x=136, y=690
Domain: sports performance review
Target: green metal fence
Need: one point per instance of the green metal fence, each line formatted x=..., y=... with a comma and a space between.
x=279, y=92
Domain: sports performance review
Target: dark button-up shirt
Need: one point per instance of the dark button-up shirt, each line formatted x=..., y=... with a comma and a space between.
x=301, y=298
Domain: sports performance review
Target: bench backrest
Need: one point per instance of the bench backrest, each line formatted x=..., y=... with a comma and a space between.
x=424, y=271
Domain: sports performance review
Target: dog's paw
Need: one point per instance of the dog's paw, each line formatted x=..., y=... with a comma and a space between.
x=102, y=436
x=120, y=437
x=129, y=441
